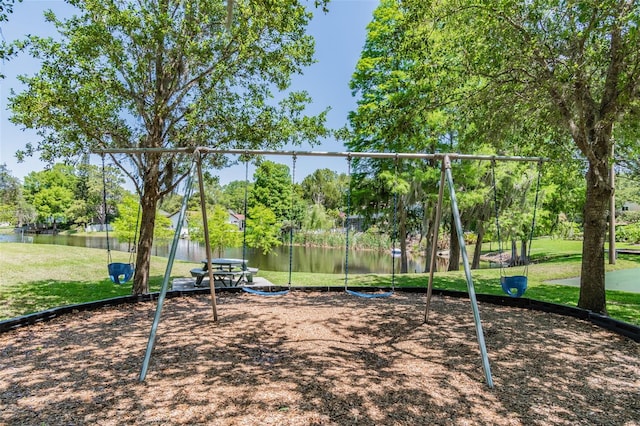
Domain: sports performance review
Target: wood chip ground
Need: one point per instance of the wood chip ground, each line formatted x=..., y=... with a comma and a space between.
x=317, y=359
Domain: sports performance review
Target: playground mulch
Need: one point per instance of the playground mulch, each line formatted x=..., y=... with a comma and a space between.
x=317, y=359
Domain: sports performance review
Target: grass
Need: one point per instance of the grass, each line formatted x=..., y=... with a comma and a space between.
x=39, y=276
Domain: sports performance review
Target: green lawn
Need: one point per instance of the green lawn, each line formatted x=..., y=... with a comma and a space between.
x=41, y=276
x=37, y=277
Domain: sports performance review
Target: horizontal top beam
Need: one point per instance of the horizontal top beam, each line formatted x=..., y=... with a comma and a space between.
x=345, y=154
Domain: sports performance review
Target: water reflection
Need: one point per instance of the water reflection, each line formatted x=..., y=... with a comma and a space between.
x=303, y=259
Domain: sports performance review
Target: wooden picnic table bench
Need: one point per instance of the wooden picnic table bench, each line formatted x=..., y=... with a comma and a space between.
x=233, y=270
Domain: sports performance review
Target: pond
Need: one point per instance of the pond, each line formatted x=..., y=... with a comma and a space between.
x=303, y=259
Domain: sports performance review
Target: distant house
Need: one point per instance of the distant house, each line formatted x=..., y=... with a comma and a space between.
x=237, y=219
x=174, y=218
x=630, y=206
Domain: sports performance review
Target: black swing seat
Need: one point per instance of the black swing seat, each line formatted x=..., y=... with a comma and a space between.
x=514, y=286
x=120, y=273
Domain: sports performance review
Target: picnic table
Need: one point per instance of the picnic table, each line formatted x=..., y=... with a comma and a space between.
x=225, y=270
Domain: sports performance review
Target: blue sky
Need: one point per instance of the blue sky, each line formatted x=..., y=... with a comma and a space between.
x=339, y=34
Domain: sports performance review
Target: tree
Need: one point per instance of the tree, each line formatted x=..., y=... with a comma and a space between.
x=324, y=187
x=263, y=228
x=90, y=191
x=560, y=73
x=272, y=188
x=388, y=119
x=9, y=186
x=233, y=195
x=222, y=233
x=127, y=222
x=317, y=218
x=10, y=195
x=51, y=192
x=6, y=8
x=165, y=74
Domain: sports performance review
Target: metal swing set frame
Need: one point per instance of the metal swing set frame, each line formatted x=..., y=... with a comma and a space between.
x=445, y=178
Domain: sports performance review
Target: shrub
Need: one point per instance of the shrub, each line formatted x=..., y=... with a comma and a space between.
x=628, y=233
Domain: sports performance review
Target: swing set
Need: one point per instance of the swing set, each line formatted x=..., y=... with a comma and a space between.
x=445, y=178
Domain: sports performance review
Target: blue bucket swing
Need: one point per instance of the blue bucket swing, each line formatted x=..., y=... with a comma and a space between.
x=515, y=285
x=119, y=272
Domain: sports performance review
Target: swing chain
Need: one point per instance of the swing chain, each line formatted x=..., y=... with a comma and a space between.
x=346, y=223
x=495, y=205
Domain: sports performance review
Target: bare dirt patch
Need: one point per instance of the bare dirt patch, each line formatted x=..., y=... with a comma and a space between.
x=317, y=359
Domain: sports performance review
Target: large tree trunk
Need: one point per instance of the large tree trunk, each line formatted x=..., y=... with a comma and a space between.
x=148, y=205
x=513, y=260
x=454, y=248
x=592, y=289
x=477, y=252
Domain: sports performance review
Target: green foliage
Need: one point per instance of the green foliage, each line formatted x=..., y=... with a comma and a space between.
x=51, y=192
x=629, y=216
x=317, y=218
x=99, y=72
x=9, y=186
x=627, y=189
x=319, y=238
x=173, y=202
x=6, y=8
x=10, y=196
x=372, y=239
x=263, y=229
x=128, y=221
x=163, y=231
x=7, y=213
x=26, y=285
x=516, y=187
x=628, y=233
x=545, y=77
x=233, y=195
x=272, y=188
x=167, y=74
x=222, y=234
x=324, y=187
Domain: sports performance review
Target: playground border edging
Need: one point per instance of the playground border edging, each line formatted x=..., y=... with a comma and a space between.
x=619, y=327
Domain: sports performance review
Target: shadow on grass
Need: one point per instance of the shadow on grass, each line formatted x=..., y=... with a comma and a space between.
x=556, y=258
x=35, y=296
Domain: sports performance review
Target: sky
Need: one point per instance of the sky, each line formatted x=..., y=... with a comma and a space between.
x=339, y=35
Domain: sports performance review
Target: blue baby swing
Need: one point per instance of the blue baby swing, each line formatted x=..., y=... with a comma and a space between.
x=119, y=272
x=514, y=285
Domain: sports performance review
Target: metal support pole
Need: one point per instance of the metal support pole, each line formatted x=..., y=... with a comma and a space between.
x=167, y=274
x=203, y=207
x=467, y=271
x=346, y=154
x=434, y=243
